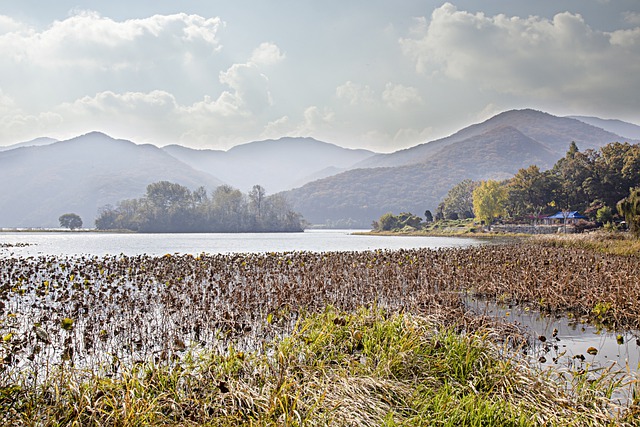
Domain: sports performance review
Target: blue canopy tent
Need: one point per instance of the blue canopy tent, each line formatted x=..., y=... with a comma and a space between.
x=568, y=216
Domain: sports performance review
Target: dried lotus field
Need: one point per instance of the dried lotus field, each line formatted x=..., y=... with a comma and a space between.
x=300, y=338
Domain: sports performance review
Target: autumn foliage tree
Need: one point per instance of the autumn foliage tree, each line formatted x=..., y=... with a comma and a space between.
x=489, y=200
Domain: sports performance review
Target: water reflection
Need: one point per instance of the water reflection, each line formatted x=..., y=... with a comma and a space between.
x=92, y=243
x=568, y=343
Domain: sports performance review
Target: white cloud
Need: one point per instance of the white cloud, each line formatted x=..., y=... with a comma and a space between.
x=356, y=94
x=250, y=87
x=628, y=40
x=10, y=25
x=6, y=102
x=267, y=54
x=153, y=104
x=17, y=126
x=556, y=59
x=168, y=78
x=398, y=96
x=84, y=66
x=315, y=119
x=278, y=128
x=395, y=96
x=90, y=40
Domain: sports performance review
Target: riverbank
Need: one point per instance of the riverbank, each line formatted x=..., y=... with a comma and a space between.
x=612, y=242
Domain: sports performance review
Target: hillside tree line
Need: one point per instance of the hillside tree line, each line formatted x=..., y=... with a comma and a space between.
x=172, y=208
x=601, y=184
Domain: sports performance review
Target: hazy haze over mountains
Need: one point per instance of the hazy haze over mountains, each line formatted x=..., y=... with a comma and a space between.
x=33, y=143
x=554, y=133
x=340, y=186
x=40, y=183
x=624, y=129
x=276, y=165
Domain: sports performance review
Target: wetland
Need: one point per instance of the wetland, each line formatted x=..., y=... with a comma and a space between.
x=374, y=336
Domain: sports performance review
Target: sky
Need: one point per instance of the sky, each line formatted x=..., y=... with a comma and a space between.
x=374, y=74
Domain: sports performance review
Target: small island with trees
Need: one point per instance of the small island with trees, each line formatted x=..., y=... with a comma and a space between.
x=172, y=208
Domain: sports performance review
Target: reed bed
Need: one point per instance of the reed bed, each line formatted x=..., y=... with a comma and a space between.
x=241, y=339
x=616, y=243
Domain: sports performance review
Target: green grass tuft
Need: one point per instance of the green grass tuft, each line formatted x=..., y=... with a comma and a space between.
x=365, y=368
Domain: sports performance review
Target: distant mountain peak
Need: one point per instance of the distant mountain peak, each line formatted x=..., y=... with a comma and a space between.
x=555, y=133
x=94, y=135
x=624, y=129
x=38, y=142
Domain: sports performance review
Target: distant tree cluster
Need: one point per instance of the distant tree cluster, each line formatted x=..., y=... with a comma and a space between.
x=389, y=222
x=173, y=208
x=598, y=183
x=581, y=181
x=601, y=184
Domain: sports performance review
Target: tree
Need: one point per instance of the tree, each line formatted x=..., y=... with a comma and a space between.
x=615, y=169
x=107, y=218
x=489, y=200
x=529, y=191
x=604, y=215
x=428, y=216
x=458, y=203
x=388, y=222
x=629, y=207
x=70, y=220
x=169, y=207
x=408, y=219
x=572, y=172
x=256, y=200
x=229, y=207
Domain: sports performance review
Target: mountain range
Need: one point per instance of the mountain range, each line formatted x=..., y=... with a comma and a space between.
x=328, y=184
x=417, y=178
x=276, y=165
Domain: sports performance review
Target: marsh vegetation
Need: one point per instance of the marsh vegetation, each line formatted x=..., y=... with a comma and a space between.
x=304, y=338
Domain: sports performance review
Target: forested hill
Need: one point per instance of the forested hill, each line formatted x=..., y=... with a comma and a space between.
x=40, y=183
x=494, y=149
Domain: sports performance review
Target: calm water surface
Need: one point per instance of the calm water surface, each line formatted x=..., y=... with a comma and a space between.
x=87, y=243
x=563, y=344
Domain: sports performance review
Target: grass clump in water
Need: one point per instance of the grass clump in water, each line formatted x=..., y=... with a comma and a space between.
x=368, y=367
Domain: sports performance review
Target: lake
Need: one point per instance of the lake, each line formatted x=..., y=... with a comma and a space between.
x=90, y=243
